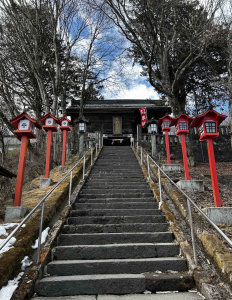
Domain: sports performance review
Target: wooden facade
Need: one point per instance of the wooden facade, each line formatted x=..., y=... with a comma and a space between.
x=116, y=119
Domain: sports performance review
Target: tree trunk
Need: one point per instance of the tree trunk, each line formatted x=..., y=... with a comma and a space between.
x=190, y=151
x=230, y=119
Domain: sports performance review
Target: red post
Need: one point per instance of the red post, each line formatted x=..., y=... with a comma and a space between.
x=21, y=169
x=48, y=155
x=167, y=147
x=185, y=159
x=64, y=147
x=217, y=201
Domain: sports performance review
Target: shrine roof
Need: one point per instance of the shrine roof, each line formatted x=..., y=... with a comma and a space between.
x=119, y=103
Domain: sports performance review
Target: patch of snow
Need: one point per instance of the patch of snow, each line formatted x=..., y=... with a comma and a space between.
x=8, y=245
x=43, y=238
x=3, y=228
x=25, y=263
x=7, y=291
x=147, y=292
x=167, y=292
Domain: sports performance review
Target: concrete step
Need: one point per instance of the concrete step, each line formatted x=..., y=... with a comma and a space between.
x=135, y=187
x=119, y=180
x=115, y=228
x=118, y=220
x=192, y=295
x=115, y=212
x=93, y=284
x=116, y=191
x=116, y=185
x=120, y=205
x=117, y=175
x=114, y=238
x=114, y=195
x=116, y=266
x=118, y=251
x=116, y=200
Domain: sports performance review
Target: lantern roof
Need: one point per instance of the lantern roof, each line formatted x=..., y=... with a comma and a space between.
x=64, y=118
x=49, y=115
x=160, y=121
x=82, y=119
x=209, y=113
x=16, y=120
x=182, y=116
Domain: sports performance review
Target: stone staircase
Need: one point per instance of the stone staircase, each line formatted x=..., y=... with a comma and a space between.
x=116, y=240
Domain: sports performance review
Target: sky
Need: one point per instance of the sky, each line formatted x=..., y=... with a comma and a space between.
x=132, y=87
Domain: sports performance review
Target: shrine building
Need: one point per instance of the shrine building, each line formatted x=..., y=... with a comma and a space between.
x=117, y=120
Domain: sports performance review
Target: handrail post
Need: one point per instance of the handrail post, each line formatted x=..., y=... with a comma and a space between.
x=70, y=188
x=96, y=150
x=161, y=201
x=40, y=231
x=192, y=232
x=91, y=156
x=137, y=147
x=84, y=168
x=148, y=166
x=141, y=155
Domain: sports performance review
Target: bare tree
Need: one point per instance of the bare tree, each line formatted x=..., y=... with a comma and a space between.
x=169, y=39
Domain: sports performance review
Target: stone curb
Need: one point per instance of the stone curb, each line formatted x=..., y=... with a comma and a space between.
x=10, y=264
x=202, y=280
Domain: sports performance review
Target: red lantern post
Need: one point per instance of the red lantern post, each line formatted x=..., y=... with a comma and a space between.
x=207, y=124
x=65, y=126
x=182, y=122
x=165, y=124
x=25, y=130
x=49, y=124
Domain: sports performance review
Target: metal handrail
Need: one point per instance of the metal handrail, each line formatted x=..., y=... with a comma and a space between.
x=190, y=201
x=43, y=201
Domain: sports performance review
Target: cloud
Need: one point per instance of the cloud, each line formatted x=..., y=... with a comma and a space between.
x=139, y=91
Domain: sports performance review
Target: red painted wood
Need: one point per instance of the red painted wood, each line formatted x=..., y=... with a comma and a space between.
x=48, y=155
x=185, y=159
x=167, y=147
x=217, y=201
x=21, y=169
x=64, y=147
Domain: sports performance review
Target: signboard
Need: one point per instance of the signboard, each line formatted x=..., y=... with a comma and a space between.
x=143, y=113
x=91, y=135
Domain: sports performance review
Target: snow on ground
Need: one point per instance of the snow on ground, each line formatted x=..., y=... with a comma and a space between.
x=3, y=232
x=43, y=238
x=7, y=291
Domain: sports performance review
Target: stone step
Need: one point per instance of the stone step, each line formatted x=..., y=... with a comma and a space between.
x=115, y=212
x=118, y=220
x=115, y=228
x=91, y=284
x=116, y=200
x=117, y=174
x=140, y=187
x=116, y=266
x=115, y=185
x=114, y=195
x=120, y=205
x=192, y=295
x=119, y=180
x=117, y=251
x=114, y=238
x=116, y=191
